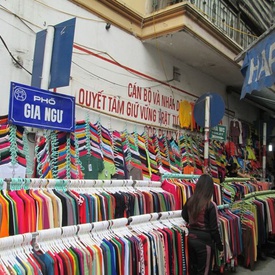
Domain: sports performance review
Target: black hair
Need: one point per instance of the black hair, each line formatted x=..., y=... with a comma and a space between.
x=202, y=195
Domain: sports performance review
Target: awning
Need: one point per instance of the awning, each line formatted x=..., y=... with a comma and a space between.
x=259, y=65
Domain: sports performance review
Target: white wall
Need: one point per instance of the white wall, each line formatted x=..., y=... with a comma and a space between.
x=105, y=65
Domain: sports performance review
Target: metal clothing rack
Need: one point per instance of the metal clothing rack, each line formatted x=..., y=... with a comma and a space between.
x=223, y=206
x=33, y=239
x=179, y=176
x=29, y=183
x=236, y=179
x=259, y=193
x=241, y=203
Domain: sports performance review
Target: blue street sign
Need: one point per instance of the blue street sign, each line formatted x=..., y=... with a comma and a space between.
x=38, y=58
x=39, y=108
x=61, y=55
x=217, y=109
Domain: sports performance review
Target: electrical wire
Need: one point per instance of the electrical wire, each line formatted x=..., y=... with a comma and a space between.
x=160, y=56
x=20, y=18
x=62, y=11
x=13, y=58
x=97, y=76
x=119, y=64
x=117, y=84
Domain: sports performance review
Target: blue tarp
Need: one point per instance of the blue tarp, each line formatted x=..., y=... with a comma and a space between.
x=259, y=66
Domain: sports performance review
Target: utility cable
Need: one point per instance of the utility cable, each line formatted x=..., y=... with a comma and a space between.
x=13, y=58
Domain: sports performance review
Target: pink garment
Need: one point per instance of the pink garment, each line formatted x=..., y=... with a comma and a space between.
x=155, y=177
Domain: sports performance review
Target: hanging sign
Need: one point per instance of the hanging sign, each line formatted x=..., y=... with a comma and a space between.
x=217, y=109
x=61, y=55
x=259, y=66
x=39, y=108
x=218, y=133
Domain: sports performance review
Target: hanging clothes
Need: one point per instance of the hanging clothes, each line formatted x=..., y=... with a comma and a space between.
x=128, y=247
x=63, y=206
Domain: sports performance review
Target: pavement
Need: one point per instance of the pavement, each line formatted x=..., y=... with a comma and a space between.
x=263, y=267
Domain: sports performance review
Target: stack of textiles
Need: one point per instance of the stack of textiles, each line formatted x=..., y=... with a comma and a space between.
x=193, y=142
x=213, y=162
x=63, y=158
x=174, y=155
x=134, y=166
x=43, y=158
x=12, y=150
x=154, y=157
x=90, y=155
x=188, y=162
x=220, y=158
x=119, y=159
x=106, y=145
x=163, y=153
x=144, y=157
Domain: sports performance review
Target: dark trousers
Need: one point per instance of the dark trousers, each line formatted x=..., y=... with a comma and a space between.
x=200, y=254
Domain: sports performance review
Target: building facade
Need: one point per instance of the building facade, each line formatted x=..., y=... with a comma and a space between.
x=134, y=62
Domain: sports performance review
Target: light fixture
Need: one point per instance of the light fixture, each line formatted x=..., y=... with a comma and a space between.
x=270, y=148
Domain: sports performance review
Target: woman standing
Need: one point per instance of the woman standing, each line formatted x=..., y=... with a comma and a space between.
x=200, y=213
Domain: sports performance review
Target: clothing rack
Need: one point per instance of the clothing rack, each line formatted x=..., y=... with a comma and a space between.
x=53, y=249
x=259, y=193
x=223, y=206
x=25, y=183
x=236, y=179
x=78, y=202
x=73, y=230
x=179, y=176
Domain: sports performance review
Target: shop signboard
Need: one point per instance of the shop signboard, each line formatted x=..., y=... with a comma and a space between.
x=259, y=66
x=33, y=107
x=218, y=133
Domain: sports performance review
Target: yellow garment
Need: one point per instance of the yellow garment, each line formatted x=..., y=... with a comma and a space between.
x=185, y=114
x=250, y=153
x=39, y=217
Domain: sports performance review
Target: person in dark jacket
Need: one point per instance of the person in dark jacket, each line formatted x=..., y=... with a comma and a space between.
x=200, y=214
x=233, y=171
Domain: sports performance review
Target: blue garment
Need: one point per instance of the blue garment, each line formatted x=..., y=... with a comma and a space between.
x=49, y=262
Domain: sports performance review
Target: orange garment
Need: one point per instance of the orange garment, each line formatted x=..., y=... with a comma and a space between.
x=188, y=170
x=4, y=223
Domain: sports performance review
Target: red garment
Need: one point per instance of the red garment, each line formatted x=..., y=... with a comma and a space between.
x=230, y=149
x=175, y=191
x=235, y=131
x=81, y=205
x=20, y=209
